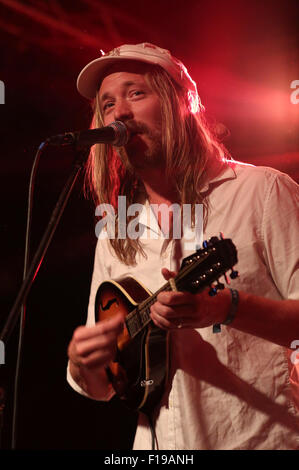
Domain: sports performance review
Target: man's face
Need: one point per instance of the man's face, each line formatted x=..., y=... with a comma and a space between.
x=126, y=96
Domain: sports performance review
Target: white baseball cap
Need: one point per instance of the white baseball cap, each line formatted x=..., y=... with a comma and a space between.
x=89, y=79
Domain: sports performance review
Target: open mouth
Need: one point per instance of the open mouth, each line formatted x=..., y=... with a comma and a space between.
x=134, y=135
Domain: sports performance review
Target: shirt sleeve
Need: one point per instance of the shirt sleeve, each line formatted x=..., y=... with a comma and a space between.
x=280, y=231
x=100, y=274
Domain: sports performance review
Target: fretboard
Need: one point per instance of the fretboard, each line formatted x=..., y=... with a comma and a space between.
x=199, y=270
x=140, y=316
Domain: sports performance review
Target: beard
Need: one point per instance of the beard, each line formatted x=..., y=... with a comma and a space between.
x=144, y=148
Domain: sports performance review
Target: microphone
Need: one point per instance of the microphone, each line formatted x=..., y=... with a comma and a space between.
x=115, y=134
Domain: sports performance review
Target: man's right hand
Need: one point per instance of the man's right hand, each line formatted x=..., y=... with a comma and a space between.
x=91, y=349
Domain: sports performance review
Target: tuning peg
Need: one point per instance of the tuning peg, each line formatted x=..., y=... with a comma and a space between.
x=233, y=274
x=212, y=291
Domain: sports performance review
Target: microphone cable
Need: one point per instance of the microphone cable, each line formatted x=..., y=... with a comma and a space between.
x=23, y=309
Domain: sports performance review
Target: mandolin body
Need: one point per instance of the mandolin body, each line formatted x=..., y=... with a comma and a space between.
x=140, y=368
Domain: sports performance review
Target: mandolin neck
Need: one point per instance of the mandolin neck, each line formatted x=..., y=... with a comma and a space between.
x=140, y=316
x=198, y=271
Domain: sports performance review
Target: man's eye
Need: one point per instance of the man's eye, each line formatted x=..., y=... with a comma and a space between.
x=137, y=92
x=107, y=105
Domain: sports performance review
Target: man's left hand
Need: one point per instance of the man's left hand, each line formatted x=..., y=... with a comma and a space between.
x=176, y=309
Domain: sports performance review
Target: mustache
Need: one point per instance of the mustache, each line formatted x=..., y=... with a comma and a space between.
x=136, y=127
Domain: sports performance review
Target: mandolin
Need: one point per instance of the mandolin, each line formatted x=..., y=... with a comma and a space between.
x=139, y=371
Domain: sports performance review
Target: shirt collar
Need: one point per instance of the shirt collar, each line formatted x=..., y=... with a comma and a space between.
x=227, y=172
x=147, y=216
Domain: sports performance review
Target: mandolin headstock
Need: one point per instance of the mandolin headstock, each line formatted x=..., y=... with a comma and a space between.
x=199, y=270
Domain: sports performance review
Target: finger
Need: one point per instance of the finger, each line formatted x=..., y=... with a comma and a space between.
x=113, y=324
x=163, y=311
x=168, y=274
x=100, y=343
x=176, y=298
x=98, y=359
x=178, y=313
x=172, y=323
x=162, y=322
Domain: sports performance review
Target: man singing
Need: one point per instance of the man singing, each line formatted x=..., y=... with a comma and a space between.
x=232, y=389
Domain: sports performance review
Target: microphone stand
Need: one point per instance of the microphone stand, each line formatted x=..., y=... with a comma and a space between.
x=17, y=310
x=81, y=156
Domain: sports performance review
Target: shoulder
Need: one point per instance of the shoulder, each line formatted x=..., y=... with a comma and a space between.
x=264, y=178
x=243, y=188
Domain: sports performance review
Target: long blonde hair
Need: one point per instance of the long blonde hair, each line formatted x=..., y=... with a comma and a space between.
x=189, y=149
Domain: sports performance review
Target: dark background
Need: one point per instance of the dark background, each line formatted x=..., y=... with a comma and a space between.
x=243, y=56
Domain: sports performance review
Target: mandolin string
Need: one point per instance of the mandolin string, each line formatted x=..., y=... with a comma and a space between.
x=145, y=304
x=142, y=311
x=140, y=316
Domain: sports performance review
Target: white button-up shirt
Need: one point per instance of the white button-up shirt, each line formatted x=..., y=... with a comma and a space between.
x=229, y=390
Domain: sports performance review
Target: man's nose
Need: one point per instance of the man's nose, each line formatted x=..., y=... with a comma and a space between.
x=122, y=110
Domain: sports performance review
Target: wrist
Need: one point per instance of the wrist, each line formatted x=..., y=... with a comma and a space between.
x=230, y=311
